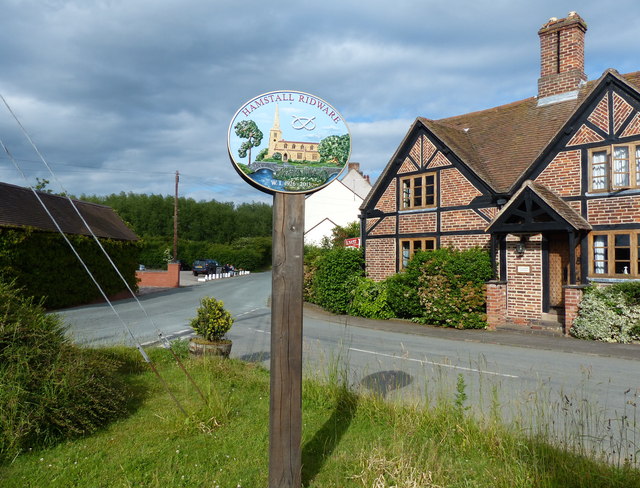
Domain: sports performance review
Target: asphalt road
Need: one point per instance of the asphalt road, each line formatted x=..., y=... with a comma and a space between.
x=589, y=389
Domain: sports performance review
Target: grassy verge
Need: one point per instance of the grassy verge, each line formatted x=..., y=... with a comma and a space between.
x=349, y=440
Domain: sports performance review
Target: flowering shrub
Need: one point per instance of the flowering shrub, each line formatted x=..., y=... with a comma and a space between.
x=607, y=314
x=212, y=321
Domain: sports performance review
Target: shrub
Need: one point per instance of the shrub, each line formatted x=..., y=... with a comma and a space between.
x=212, y=321
x=49, y=389
x=451, y=287
x=402, y=295
x=337, y=270
x=608, y=314
x=370, y=300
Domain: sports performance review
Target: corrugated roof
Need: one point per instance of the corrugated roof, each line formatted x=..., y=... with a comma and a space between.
x=19, y=207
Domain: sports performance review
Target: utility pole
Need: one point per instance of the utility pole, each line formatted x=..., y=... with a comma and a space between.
x=175, y=220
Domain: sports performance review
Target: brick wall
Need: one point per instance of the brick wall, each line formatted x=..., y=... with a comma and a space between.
x=572, y=298
x=381, y=258
x=466, y=241
x=455, y=189
x=524, y=296
x=455, y=220
x=563, y=174
x=621, y=110
x=496, y=303
x=619, y=210
x=386, y=226
x=417, y=222
x=387, y=202
x=600, y=116
x=169, y=278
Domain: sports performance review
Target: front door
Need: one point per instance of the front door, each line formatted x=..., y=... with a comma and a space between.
x=558, y=268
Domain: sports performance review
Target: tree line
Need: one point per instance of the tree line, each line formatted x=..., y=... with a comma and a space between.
x=212, y=221
x=236, y=234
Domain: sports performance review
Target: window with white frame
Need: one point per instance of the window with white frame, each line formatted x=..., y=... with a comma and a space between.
x=615, y=254
x=614, y=167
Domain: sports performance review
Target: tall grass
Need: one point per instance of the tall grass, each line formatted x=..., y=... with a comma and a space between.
x=352, y=437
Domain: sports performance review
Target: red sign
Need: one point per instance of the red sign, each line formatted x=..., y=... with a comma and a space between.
x=352, y=242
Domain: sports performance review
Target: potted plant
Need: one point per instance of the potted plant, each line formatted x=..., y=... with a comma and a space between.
x=211, y=323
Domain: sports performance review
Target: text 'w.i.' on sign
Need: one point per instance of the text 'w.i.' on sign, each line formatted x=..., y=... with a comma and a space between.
x=289, y=142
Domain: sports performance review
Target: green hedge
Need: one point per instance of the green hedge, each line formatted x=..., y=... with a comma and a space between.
x=249, y=253
x=445, y=287
x=46, y=268
x=337, y=273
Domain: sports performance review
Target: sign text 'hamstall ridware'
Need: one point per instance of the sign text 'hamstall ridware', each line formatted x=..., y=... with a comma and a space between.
x=289, y=142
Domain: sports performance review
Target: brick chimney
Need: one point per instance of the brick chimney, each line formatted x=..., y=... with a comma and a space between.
x=561, y=56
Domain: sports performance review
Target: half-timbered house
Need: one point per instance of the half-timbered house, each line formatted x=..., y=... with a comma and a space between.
x=550, y=185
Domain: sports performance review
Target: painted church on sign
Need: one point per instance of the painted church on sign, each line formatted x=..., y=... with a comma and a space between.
x=290, y=150
x=550, y=185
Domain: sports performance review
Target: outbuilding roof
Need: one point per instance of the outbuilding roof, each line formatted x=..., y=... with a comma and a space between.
x=19, y=207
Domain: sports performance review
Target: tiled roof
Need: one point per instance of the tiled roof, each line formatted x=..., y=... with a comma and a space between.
x=562, y=208
x=19, y=207
x=501, y=143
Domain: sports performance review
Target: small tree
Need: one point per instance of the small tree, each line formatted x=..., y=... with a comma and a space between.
x=335, y=149
x=247, y=129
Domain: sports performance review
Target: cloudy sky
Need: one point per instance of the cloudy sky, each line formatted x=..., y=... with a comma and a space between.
x=118, y=95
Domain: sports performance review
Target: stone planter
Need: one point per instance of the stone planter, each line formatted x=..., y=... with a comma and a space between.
x=201, y=347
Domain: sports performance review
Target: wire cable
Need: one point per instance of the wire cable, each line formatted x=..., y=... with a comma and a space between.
x=102, y=292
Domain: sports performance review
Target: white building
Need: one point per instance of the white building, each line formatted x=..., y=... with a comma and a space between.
x=336, y=204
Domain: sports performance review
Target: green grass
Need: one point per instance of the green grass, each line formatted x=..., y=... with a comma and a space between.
x=350, y=439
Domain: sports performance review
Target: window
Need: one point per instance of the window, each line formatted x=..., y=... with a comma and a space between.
x=615, y=167
x=408, y=247
x=615, y=254
x=418, y=191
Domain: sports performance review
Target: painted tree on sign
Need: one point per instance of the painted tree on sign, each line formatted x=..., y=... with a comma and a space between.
x=247, y=129
x=335, y=149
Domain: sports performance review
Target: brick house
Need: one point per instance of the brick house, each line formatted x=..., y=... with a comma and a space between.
x=550, y=185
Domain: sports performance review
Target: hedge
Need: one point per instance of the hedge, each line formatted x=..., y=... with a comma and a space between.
x=45, y=267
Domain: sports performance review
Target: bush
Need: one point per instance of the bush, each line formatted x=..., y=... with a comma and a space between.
x=370, y=300
x=451, y=287
x=212, y=321
x=402, y=295
x=335, y=277
x=49, y=389
x=608, y=314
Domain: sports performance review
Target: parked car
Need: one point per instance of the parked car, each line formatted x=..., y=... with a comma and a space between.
x=205, y=266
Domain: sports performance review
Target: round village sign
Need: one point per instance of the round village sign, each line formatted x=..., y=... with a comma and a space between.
x=288, y=142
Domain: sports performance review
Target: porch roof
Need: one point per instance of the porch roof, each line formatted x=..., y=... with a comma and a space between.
x=535, y=208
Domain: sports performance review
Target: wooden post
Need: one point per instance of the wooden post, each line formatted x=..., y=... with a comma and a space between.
x=175, y=220
x=285, y=418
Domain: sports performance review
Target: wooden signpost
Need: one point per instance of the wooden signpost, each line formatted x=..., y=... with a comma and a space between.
x=297, y=158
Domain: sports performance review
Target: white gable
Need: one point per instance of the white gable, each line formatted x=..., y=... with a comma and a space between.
x=336, y=204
